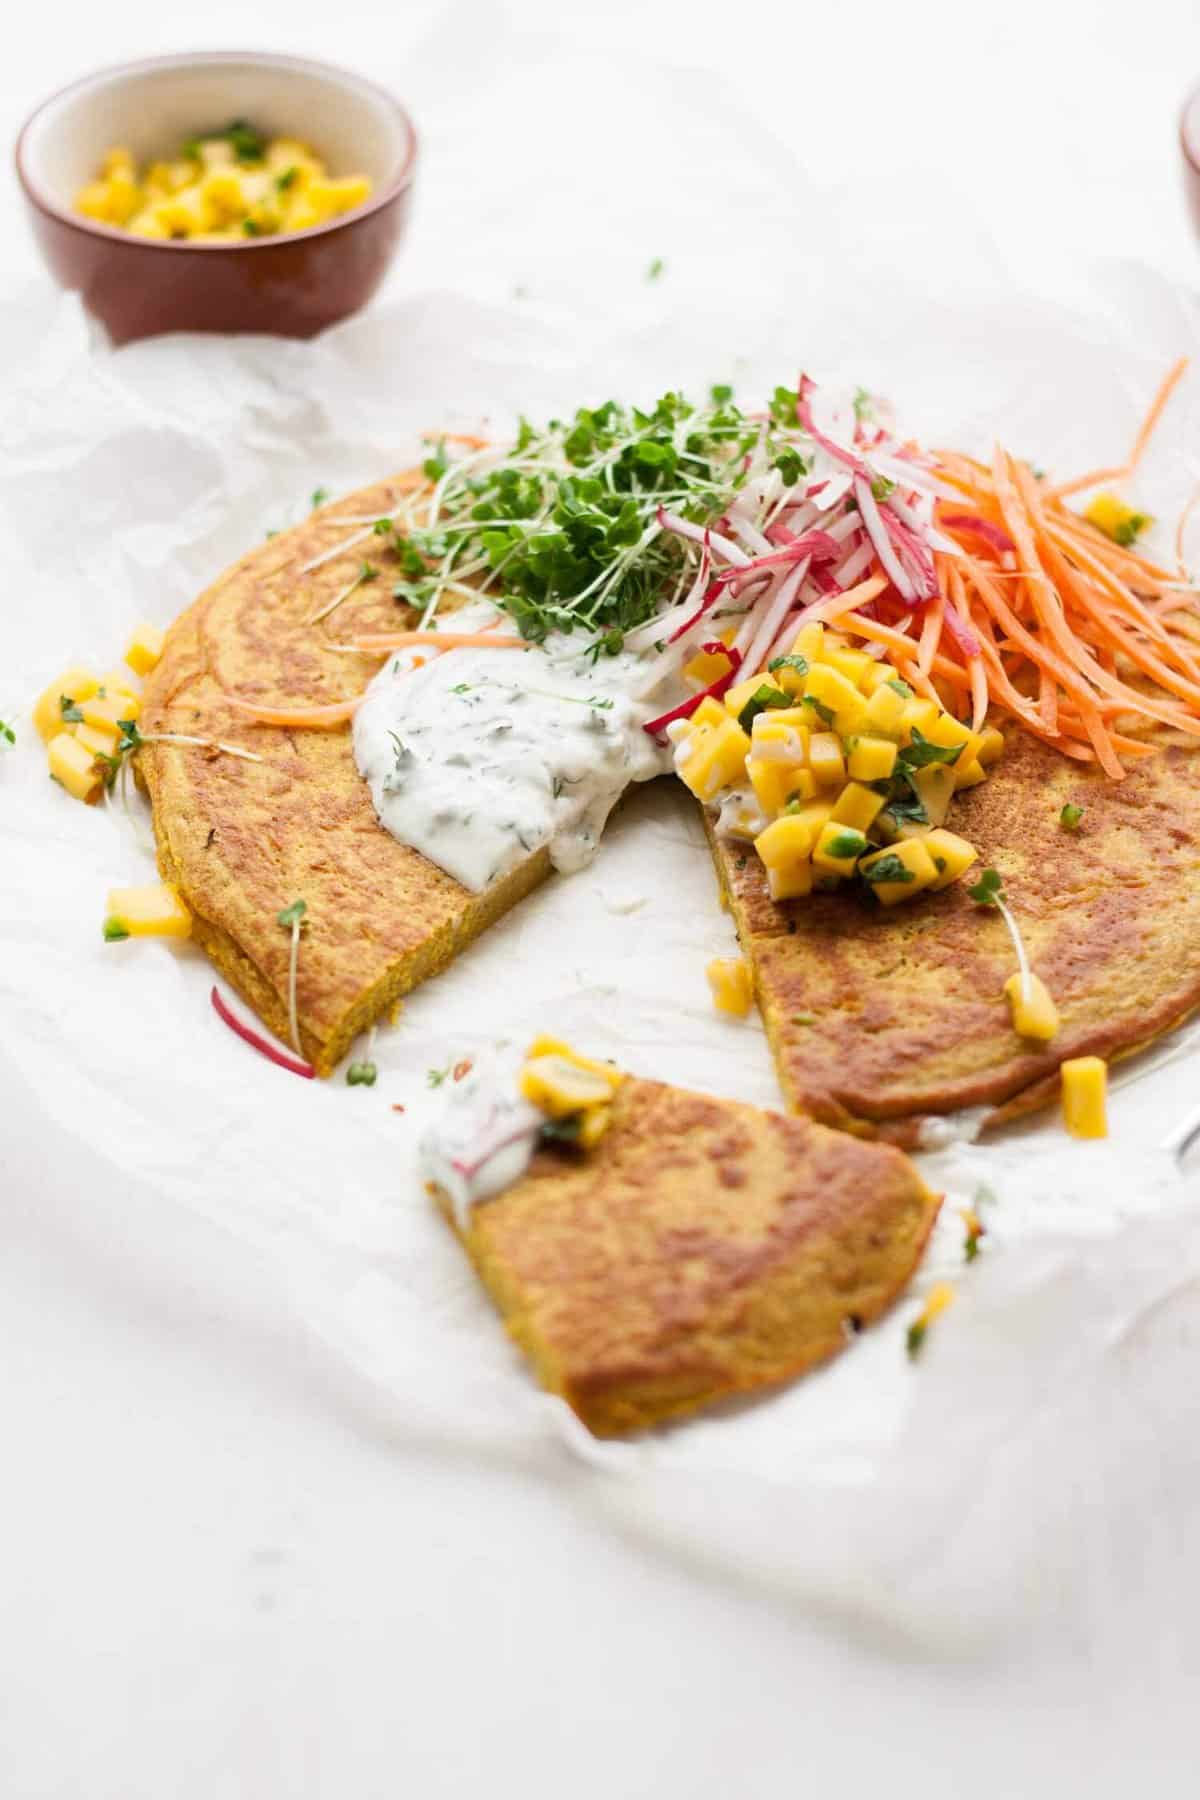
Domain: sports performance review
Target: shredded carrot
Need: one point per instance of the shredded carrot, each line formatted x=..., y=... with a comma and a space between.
x=1086, y=642
x=837, y=605
x=312, y=718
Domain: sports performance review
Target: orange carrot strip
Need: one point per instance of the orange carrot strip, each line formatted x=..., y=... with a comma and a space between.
x=837, y=605
x=931, y=633
x=313, y=718
x=1166, y=388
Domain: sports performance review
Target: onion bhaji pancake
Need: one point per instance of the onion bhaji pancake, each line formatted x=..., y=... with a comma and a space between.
x=242, y=840
x=704, y=1248
x=879, y=1016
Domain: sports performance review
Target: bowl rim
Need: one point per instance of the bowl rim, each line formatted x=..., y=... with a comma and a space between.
x=113, y=234
x=1190, y=156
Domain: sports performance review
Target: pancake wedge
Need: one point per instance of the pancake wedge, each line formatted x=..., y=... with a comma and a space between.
x=703, y=1249
x=242, y=840
x=878, y=1017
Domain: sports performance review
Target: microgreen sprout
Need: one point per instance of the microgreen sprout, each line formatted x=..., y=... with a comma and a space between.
x=7, y=735
x=114, y=931
x=1071, y=817
x=319, y=495
x=435, y=1077
x=361, y=1074
x=989, y=891
x=292, y=918
x=656, y=268
x=366, y=572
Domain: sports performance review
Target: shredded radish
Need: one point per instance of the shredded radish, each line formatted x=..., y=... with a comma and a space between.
x=701, y=534
x=778, y=610
x=878, y=533
x=257, y=1041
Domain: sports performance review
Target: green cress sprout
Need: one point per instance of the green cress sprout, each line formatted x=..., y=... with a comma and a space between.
x=1071, y=817
x=561, y=528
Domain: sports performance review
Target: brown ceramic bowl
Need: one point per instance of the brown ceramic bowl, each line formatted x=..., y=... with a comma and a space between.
x=290, y=285
x=1189, y=140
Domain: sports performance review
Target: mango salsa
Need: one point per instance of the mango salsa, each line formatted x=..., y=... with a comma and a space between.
x=223, y=186
x=1084, y=1092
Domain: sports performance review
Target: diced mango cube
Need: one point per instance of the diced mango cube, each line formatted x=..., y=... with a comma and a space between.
x=871, y=759
x=952, y=856
x=793, y=883
x=951, y=733
x=899, y=871
x=98, y=740
x=709, y=712
x=543, y=1045
x=838, y=849
x=593, y=1125
x=706, y=666
x=156, y=910
x=741, y=691
x=109, y=709
x=836, y=700
x=826, y=760
x=144, y=648
x=1118, y=521
x=809, y=642
x=853, y=664
x=775, y=783
x=558, y=1086
x=72, y=685
x=1084, y=1091
x=991, y=745
x=921, y=713
x=781, y=735
x=74, y=766
x=968, y=774
x=732, y=985
x=858, y=806
x=885, y=712
x=716, y=759
x=1034, y=1014
x=878, y=675
x=789, y=839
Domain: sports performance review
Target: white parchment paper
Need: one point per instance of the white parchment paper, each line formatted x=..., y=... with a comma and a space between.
x=1048, y=1429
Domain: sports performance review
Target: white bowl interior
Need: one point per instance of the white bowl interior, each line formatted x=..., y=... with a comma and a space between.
x=155, y=108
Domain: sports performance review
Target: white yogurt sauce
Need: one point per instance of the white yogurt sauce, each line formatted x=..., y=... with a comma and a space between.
x=482, y=757
x=483, y=1139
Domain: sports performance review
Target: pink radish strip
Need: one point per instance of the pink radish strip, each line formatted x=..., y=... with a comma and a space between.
x=878, y=533
x=777, y=612
x=839, y=452
x=701, y=534
x=980, y=528
x=960, y=631
x=652, y=630
x=257, y=1041
x=855, y=565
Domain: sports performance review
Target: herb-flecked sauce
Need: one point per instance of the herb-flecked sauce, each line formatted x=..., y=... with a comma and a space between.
x=482, y=757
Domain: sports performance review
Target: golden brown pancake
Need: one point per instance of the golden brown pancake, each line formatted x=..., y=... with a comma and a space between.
x=878, y=1015
x=243, y=840
x=704, y=1248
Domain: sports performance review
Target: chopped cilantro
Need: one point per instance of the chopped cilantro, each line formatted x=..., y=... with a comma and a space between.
x=435, y=1077
x=248, y=144
x=798, y=663
x=921, y=753
x=804, y=1018
x=252, y=228
x=656, y=268
x=69, y=710
x=1071, y=817
x=114, y=931
x=888, y=868
x=846, y=843
x=863, y=409
x=823, y=712
x=7, y=734
x=287, y=179
x=915, y=1336
x=900, y=687
x=881, y=487
x=988, y=890
x=763, y=699
x=561, y=1131
x=317, y=498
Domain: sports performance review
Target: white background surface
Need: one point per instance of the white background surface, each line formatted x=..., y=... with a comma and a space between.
x=231, y=1565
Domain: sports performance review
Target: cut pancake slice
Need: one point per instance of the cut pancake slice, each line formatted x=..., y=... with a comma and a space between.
x=243, y=840
x=880, y=1016
x=703, y=1249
